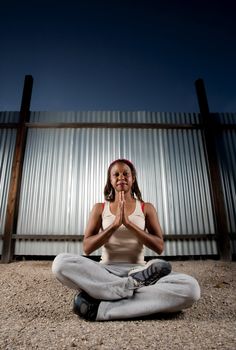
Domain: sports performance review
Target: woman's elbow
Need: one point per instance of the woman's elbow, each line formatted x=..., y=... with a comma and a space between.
x=86, y=249
x=160, y=247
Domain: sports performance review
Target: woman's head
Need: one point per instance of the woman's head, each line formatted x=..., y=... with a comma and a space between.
x=129, y=172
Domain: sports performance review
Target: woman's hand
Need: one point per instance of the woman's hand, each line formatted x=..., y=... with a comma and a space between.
x=125, y=218
x=119, y=213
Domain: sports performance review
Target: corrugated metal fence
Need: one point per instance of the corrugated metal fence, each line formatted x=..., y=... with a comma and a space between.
x=64, y=170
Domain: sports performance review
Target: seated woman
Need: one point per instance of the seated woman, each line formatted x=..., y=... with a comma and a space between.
x=122, y=285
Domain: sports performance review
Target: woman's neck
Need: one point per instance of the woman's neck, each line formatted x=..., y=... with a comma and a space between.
x=127, y=196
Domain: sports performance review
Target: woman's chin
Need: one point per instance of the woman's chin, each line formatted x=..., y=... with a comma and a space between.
x=122, y=189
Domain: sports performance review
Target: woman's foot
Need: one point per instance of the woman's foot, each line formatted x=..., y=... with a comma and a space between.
x=85, y=306
x=150, y=273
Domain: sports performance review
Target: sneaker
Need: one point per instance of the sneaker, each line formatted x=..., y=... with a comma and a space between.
x=150, y=273
x=85, y=306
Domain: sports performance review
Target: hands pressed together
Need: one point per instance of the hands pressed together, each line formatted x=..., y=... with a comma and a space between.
x=121, y=213
x=95, y=237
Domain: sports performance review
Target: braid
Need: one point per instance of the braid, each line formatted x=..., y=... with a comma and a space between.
x=136, y=191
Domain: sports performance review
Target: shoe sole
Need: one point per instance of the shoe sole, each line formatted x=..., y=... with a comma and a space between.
x=160, y=269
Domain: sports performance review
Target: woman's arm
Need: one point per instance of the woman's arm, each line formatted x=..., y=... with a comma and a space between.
x=153, y=239
x=94, y=238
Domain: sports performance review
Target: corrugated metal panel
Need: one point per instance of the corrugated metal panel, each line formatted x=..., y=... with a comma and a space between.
x=46, y=249
x=76, y=117
x=190, y=248
x=65, y=172
x=62, y=180
x=226, y=147
x=7, y=144
x=227, y=159
x=225, y=118
x=114, y=117
x=9, y=117
x=159, y=117
x=187, y=248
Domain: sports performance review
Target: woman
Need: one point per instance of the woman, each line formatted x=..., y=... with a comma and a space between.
x=121, y=285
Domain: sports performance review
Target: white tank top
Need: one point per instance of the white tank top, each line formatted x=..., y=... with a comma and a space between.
x=123, y=245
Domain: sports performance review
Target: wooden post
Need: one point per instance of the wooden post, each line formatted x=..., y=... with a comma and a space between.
x=209, y=134
x=16, y=172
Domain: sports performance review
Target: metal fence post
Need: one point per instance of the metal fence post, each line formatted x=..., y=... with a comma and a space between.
x=16, y=172
x=210, y=130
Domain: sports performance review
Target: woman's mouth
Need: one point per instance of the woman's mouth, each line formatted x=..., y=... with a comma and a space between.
x=121, y=183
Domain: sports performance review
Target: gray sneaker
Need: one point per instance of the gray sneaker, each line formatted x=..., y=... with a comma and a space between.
x=150, y=273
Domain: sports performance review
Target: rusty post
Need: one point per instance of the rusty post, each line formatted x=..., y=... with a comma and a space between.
x=210, y=131
x=16, y=172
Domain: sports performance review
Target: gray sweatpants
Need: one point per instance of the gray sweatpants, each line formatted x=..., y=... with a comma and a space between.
x=119, y=298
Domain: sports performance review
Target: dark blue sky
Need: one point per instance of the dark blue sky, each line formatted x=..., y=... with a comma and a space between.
x=118, y=55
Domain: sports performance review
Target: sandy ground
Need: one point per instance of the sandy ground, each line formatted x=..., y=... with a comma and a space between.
x=35, y=313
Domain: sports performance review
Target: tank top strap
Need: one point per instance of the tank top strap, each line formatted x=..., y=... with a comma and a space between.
x=138, y=209
x=106, y=209
x=142, y=206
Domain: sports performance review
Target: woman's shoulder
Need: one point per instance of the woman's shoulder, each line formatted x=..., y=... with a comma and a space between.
x=147, y=207
x=98, y=208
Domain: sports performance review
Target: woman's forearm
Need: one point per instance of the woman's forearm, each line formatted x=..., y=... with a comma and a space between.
x=151, y=241
x=94, y=242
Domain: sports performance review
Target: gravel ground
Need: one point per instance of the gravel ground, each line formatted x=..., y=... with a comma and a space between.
x=36, y=313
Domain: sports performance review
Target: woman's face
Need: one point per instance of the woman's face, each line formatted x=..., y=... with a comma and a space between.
x=121, y=177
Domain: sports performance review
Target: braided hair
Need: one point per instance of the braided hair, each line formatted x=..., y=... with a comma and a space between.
x=109, y=191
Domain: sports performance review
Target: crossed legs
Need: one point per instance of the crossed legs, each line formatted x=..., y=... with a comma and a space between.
x=119, y=298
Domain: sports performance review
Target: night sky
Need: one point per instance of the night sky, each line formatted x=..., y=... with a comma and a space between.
x=118, y=55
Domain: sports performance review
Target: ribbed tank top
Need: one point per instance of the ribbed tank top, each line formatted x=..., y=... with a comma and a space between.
x=123, y=245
